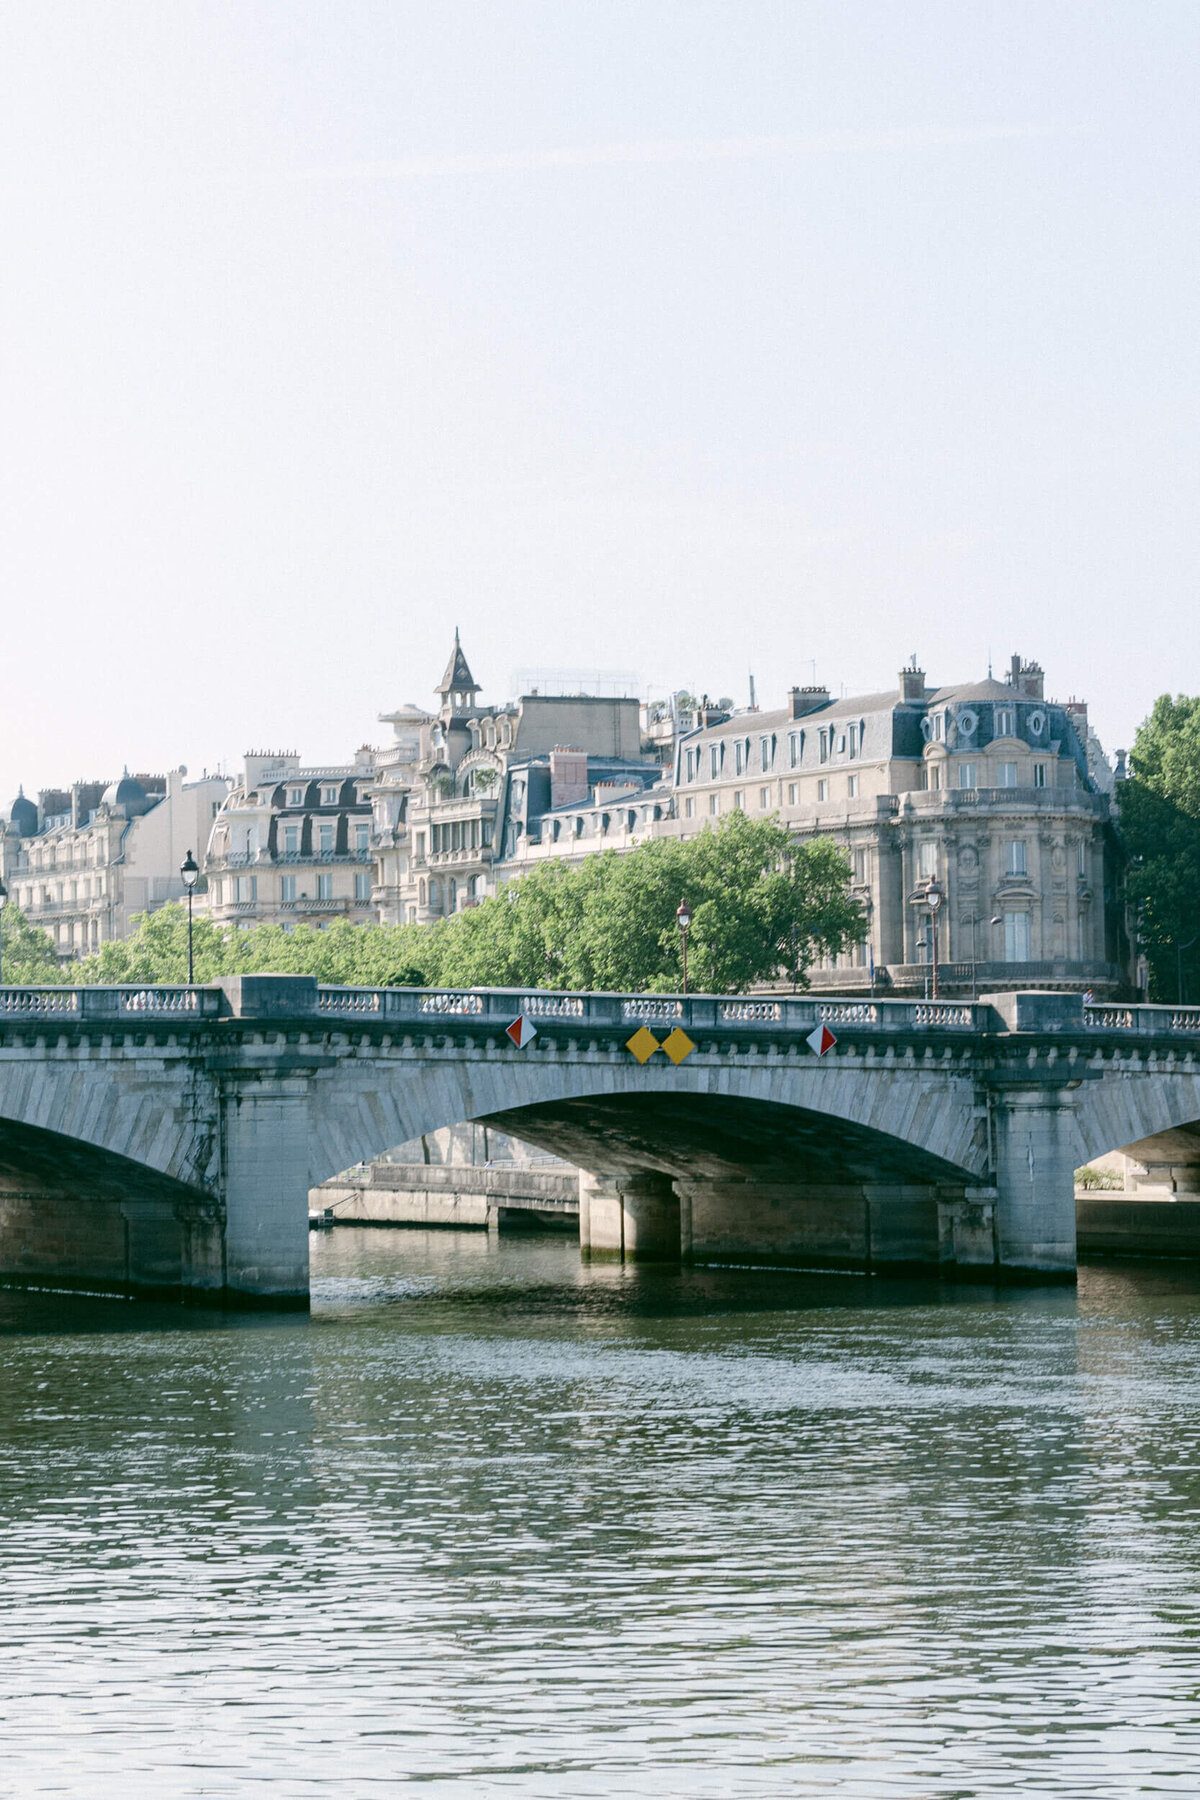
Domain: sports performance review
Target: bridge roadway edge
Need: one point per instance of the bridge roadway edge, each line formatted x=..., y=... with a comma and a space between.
x=196, y=1133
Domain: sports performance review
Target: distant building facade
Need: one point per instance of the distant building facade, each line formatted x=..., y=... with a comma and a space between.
x=995, y=792
x=85, y=861
x=292, y=845
x=468, y=796
x=999, y=795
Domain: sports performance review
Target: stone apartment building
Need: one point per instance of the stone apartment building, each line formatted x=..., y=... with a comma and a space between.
x=292, y=845
x=986, y=786
x=83, y=862
x=467, y=797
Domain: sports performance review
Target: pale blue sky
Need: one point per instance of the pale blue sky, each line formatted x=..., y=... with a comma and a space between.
x=686, y=338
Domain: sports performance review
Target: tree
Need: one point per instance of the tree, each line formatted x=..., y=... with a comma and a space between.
x=27, y=957
x=762, y=906
x=1160, y=822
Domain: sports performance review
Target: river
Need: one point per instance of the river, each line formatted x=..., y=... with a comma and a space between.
x=488, y=1523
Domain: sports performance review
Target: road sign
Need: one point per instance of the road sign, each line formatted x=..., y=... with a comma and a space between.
x=820, y=1040
x=642, y=1044
x=678, y=1045
x=522, y=1031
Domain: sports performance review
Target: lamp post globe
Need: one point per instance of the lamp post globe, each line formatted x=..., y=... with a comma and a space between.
x=189, y=874
x=683, y=918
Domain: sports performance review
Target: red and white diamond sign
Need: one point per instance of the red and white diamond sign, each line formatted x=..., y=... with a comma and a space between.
x=521, y=1031
x=820, y=1040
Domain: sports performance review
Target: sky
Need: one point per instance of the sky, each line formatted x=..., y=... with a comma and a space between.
x=688, y=339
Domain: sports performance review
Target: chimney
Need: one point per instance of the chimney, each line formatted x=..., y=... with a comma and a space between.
x=1028, y=678
x=803, y=700
x=912, y=682
x=1121, y=771
x=568, y=777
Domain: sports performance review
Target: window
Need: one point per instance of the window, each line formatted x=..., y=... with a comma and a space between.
x=927, y=860
x=287, y=889
x=324, y=887
x=1006, y=723
x=824, y=746
x=362, y=885
x=689, y=808
x=764, y=798
x=714, y=760
x=1016, y=857
x=329, y=796
x=245, y=889
x=852, y=786
x=714, y=803
x=1039, y=774
x=764, y=754
x=1006, y=775
x=739, y=757
x=421, y=845
x=295, y=796
x=362, y=837
x=327, y=833
x=822, y=790
x=860, y=867
x=690, y=760
x=739, y=800
x=291, y=840
x=853, y=736
x=966, y=775
x=1016, y=937
x=792, y=789
x=795, y=748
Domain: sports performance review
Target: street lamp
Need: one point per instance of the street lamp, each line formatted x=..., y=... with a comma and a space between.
x=189, y=871
x=3, y=896
x=683, y=918
x=1179, y=950
x=933, y=899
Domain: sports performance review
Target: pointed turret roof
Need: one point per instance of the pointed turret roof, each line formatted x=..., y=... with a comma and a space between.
x=458, y=678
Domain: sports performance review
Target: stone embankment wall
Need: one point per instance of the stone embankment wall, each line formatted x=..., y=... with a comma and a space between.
x=454, y=1194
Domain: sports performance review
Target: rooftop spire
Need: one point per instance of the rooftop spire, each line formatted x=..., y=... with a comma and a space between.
x=458, y=678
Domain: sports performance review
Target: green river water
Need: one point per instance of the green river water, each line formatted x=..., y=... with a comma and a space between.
x=488, y=1523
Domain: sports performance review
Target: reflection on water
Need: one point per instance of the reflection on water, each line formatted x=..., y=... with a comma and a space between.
x=489, y=1523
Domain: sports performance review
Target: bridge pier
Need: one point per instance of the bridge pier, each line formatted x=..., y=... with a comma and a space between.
x=1036, y=1153
x=265, y=1179
x=628, y=1218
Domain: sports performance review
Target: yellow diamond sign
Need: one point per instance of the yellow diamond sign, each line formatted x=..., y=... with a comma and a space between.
x=642, y=1044
x=678, y=1045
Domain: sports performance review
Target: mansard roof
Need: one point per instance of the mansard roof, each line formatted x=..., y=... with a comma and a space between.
x=458, y=678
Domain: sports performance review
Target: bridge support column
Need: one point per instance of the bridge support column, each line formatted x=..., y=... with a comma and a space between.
x=628, y=1218
x=1037, y=1151
x=265, y=1182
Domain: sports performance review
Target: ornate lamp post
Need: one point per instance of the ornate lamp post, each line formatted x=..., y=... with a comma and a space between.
x=683, y=919
x=933, y=899
x=3, y=896
x=189, y=871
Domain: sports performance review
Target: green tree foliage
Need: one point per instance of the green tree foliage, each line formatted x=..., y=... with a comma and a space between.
x=762, y=907
x=1160, y=821
x=27, y=956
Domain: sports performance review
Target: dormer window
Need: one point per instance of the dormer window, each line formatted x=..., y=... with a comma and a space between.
x=329, y=796
x=1006, y=722
x=295, y=796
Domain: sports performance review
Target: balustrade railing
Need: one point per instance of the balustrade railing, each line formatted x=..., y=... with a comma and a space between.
x=777, y=1018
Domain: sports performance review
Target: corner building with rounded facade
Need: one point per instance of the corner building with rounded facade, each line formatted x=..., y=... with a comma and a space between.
x=991, y=789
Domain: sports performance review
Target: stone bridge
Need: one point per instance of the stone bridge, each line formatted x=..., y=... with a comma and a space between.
x=164, y=1140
